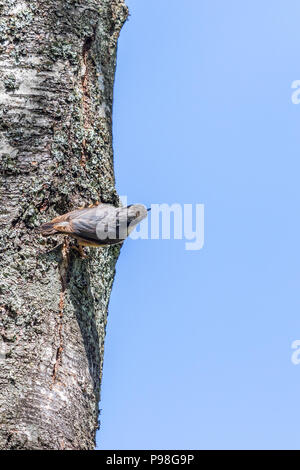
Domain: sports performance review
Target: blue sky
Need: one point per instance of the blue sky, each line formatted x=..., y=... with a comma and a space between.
x=198, y=347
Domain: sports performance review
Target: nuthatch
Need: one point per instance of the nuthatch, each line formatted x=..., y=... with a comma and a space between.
x=99, y=225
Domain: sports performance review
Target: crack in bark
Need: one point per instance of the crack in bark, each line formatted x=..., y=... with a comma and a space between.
x=63, y=276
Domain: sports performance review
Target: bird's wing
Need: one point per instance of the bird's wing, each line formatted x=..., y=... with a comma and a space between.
x=80, y=222
x=70, y=215
x=94, y=223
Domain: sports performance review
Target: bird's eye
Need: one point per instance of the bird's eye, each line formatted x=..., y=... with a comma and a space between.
x=137, y=214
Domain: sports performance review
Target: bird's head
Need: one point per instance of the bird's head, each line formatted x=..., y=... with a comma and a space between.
x=133, y=215
x=136, y=213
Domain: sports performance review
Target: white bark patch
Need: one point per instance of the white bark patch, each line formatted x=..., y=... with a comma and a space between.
x=103, y=110
x=6, y=148
x=100, y=78
x=20, y=6
x=57, y=391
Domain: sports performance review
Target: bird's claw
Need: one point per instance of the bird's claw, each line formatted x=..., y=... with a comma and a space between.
x=80, y=250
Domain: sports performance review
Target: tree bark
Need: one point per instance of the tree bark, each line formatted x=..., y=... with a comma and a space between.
x=57, y=64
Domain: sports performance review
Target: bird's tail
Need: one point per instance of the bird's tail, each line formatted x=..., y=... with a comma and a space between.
x=47, y=229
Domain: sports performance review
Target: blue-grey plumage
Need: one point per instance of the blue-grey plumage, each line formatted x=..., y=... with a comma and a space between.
x=103, y=224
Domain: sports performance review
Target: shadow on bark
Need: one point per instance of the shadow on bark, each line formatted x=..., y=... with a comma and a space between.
x=83, y=303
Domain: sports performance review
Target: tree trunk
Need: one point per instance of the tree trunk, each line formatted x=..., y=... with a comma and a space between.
x=57, y=64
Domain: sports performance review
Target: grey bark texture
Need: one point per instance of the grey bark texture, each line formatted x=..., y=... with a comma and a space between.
x=57, y=65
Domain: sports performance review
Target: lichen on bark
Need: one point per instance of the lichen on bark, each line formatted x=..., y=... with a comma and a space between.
x=57, y=65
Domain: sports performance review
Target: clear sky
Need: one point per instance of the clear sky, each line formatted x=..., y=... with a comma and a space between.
x=198, y=347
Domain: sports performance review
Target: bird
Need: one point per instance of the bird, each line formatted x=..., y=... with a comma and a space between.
x=97, y=225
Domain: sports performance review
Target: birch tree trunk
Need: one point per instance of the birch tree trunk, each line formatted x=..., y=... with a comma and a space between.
x=57, y=64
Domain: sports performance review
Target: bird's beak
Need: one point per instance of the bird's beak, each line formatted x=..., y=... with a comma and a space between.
x=149, y=209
